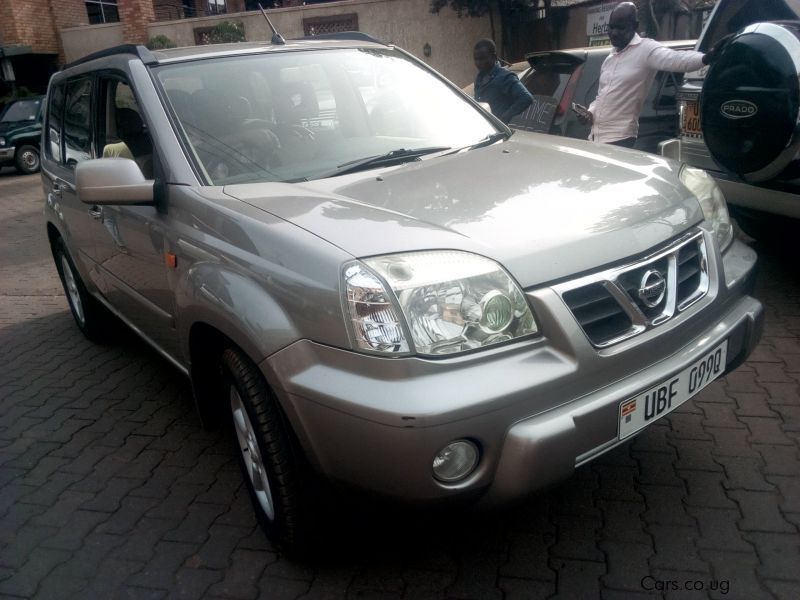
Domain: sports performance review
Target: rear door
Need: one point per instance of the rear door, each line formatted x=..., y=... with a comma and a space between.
x=551, y=80
x=68, y=142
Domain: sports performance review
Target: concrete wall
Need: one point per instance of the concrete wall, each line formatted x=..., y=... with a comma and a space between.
x=80, y=41
x=407, y=23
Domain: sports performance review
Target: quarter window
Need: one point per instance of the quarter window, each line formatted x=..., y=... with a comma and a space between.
x=55, y=110
x=77, y=122
x=102, y=11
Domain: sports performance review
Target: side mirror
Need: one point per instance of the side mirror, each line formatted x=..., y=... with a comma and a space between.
x=112, y=181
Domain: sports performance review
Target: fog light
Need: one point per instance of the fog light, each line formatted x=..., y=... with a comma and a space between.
x=455, y=461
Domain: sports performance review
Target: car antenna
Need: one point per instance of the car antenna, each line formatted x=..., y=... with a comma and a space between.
x=277, y=38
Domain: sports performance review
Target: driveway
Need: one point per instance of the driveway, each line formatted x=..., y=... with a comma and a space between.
x=110, y=488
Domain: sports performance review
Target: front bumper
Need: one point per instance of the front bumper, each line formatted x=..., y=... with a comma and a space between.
x=7, y=154
x=536, y=409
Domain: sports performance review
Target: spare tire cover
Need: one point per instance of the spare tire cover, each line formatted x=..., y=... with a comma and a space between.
x=750, y=102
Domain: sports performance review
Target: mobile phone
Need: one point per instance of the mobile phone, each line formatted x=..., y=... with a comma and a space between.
x=580, y=109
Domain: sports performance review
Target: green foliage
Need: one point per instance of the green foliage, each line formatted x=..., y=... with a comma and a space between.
x=159, y=42
x=478, y=8
x=18, y=93
x=226, y=32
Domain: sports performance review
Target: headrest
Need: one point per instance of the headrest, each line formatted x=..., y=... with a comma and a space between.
x=129, y=123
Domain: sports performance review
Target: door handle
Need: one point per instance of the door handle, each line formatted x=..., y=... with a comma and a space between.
x=56, y=189
x=96, y=212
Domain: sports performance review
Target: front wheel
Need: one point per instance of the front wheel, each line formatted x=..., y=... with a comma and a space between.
x=91, y=317
x=27, y=159
x=273, y=466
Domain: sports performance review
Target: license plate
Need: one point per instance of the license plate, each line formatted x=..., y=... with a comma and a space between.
x=690, y=119
x=639, y=412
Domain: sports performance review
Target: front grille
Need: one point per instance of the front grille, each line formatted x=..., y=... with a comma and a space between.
x=616, y=304
x=600, y=316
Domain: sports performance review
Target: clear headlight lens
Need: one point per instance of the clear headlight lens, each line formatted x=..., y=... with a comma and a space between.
x=2, y=141
x=712, y=201
x=449, y=301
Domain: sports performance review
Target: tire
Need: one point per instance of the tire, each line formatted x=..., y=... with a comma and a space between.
x=91, y=317
x=27, y=159
x=275, y=471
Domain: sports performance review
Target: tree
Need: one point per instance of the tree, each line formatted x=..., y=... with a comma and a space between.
x=226, y=32
x=159, y=42
x=652, y=12
x=507, y=9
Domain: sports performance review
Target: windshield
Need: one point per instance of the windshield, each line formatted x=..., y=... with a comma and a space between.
x=301, y=115
x=22, y=110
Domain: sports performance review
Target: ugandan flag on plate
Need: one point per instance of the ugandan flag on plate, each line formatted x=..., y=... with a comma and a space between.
x=628, y=408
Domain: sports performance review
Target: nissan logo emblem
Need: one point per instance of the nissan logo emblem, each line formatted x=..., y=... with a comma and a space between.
x=652, y=288
x=738, y=109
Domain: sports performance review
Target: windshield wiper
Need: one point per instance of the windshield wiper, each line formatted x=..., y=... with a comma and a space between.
x=487, y=141
x=400, y=155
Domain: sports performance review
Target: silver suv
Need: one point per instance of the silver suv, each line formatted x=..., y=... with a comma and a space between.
x=372, y=280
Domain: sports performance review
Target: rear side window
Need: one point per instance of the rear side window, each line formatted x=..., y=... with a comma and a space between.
x=77, y=122
x=548, y=80
x=55, y=111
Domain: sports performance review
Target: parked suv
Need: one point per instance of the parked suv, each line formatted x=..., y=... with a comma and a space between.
x=739, y=117
x=382, y=290
x=20, y=130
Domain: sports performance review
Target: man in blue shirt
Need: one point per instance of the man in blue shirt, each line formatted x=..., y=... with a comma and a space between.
x=498, y=87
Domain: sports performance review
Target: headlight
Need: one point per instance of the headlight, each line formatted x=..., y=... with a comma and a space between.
x=433, y=303
x=2, y=141
x=715, y=210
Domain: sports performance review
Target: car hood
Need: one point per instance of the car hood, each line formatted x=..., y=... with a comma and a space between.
x=545, y=207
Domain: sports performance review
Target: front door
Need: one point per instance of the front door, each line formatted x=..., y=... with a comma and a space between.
x=130, y=244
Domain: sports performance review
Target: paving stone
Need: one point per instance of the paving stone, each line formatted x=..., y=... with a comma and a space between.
x=161, y=571
x=706, y=490
x=578, y=579
x=734, y=574
x=766, y=431
x=222, y=539
x=772, y=373
x=194, y=527
x=627, y=563
x=779, y=554
x=665, y=505
x=782, y=394
x=282, y=589
x=782, y=590
x=731, y=442
x=28, y=578
x=81, y=523
x=687, y=427
x=623, y=522
x=760, y=512
x=719, y=529
x=676, y=549
x=193, y=583
x=657, y=468
x=525, y=589
x=527, y=558
x=577, y=539
x=744, y=474
x=779, y=460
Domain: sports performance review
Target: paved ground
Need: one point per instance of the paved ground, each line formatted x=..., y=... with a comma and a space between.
x=109, y=488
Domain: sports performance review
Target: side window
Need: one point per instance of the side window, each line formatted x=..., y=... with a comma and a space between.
x=77, y=122
x=666, y=99
x=55, y=111
x=123, y=133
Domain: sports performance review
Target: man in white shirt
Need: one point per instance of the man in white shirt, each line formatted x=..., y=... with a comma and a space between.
x=626, y=77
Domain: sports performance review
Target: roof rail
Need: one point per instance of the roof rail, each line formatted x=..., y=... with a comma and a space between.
x=346, y=35
x=143, y=53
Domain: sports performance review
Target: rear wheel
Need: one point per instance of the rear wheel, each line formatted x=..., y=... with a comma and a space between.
x=91, y=317
x=27, y=159
x=274, y=469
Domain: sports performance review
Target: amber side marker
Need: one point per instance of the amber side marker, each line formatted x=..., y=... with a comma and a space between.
x=171, y=260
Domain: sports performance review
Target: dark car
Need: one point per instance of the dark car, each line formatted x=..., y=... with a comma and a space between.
x=557, y=78
x=740, y=116
x=20, y=130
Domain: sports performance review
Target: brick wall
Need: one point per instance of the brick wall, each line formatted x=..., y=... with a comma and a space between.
x=135, y=15
x=30, y=23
